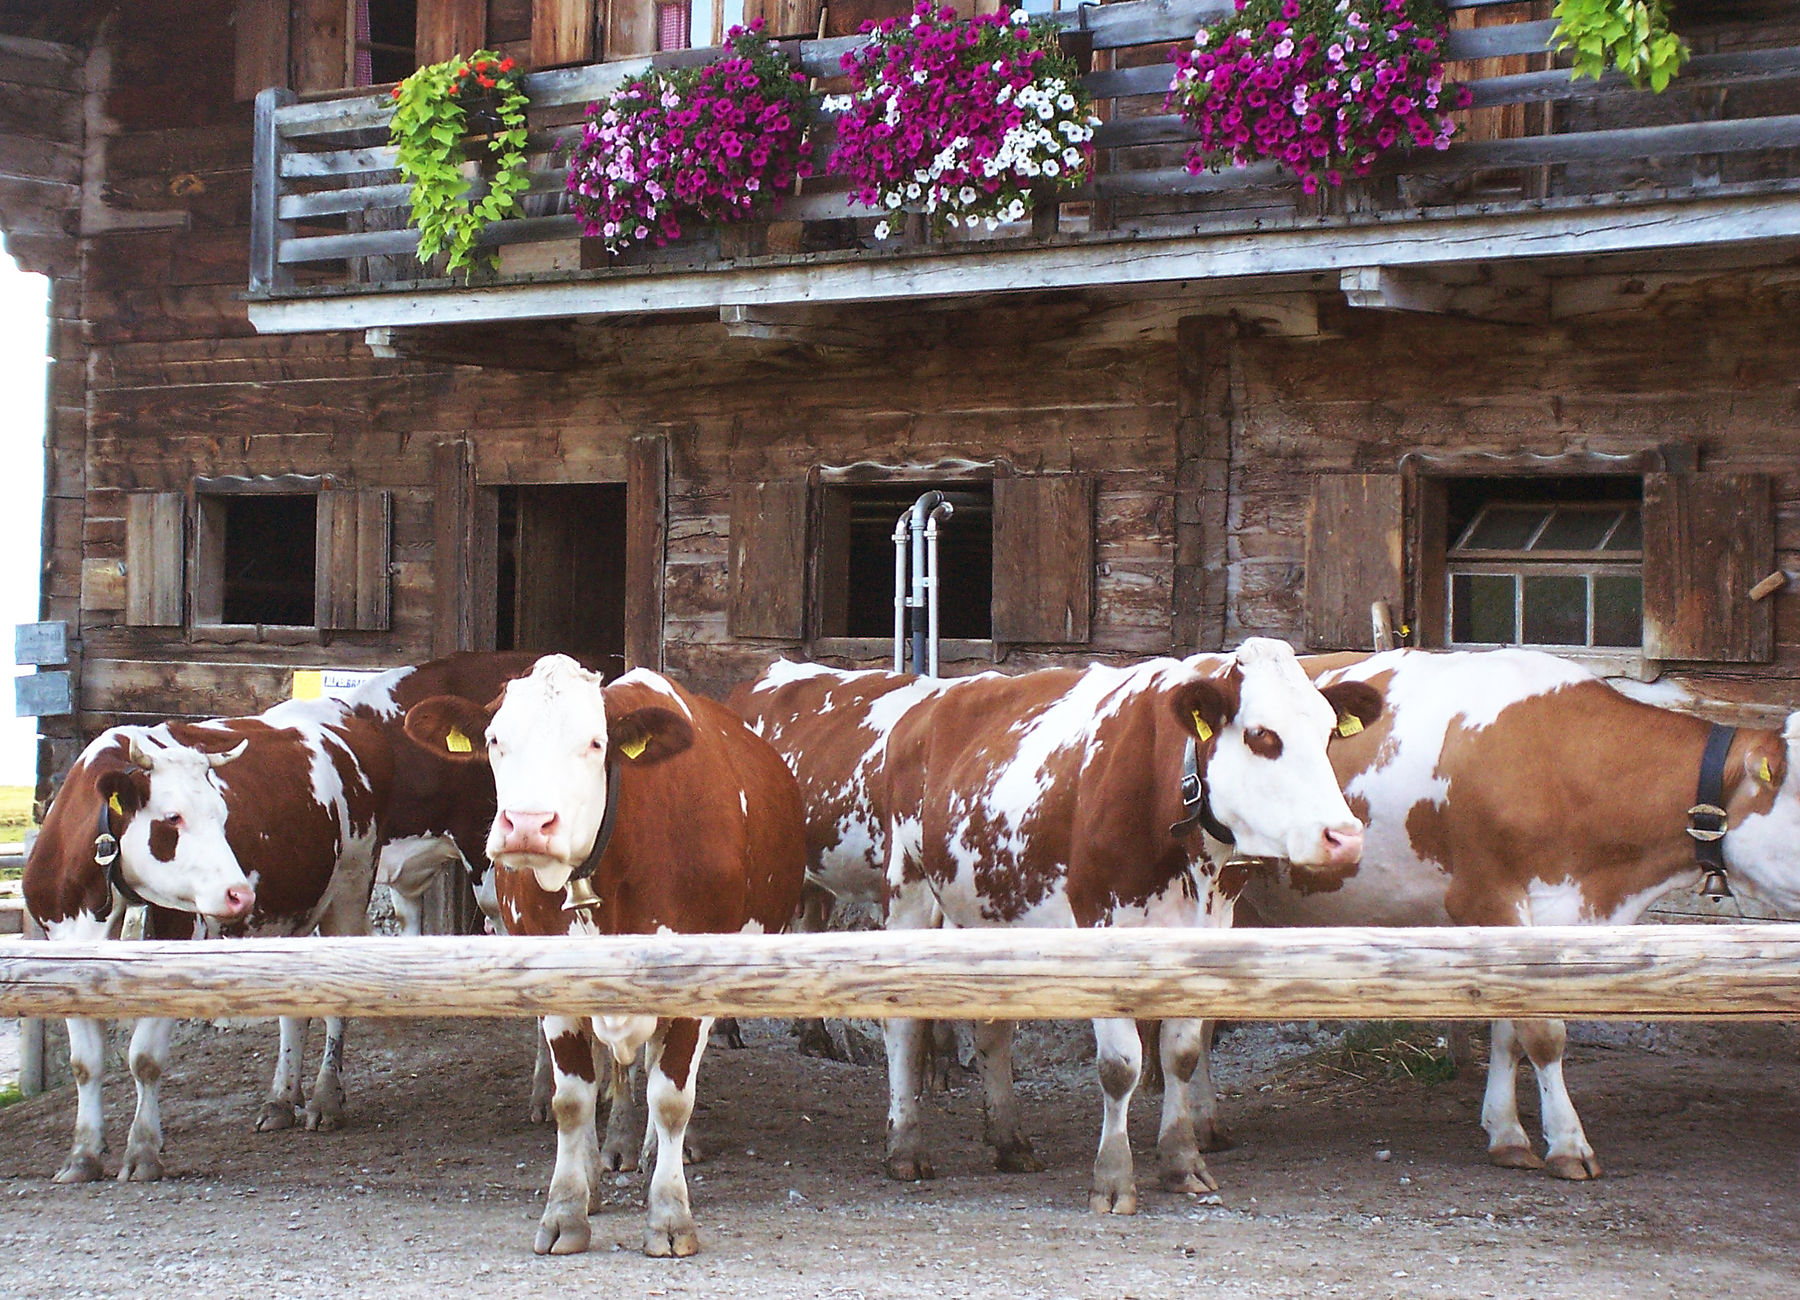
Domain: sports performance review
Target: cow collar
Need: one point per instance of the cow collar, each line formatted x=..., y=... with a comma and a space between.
x=577, y=893
x=1706, y=819
x=1195, y=801
x=108, y=858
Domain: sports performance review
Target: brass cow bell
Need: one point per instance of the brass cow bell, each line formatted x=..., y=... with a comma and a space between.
x=579, y=893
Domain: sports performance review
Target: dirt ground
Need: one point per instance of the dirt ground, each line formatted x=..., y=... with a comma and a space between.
x=1336, y=1188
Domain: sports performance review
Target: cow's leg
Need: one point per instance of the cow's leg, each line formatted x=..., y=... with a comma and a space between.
x=149, y=1057
x=1181, y=1045
x=1000, y=1104
x=325, y=1109
x=669, y=1089
x=815, y=914
x=1210, y=1133
x=543, y=1079
x=286, y=1096
x=87, y=1061
x=564, y=1228
x=628, y=1135
x=1569, y=1155
x=1507, y=1144
x=409, y=910
x=1120, y=1059
x=906, y=1156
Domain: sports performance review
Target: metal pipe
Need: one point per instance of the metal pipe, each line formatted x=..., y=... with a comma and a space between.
x=916, y=603
x=941, y=511
x=901, y=532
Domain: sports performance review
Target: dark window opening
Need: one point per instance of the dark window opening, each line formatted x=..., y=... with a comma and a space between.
x=857, y=559
x=385, y=31
x=269, y=558
x=560, y=571
x=1545, y=562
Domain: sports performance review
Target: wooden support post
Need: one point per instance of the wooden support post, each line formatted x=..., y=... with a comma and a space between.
x=267, y=231
x=32, y=1075
x=1745, y=972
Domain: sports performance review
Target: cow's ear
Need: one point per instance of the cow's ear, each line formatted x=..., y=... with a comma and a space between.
x=1203, y=707
x=450, y=727
x=648, y=735
x=1357, y=704
x=1766, y=763
x=123, y=787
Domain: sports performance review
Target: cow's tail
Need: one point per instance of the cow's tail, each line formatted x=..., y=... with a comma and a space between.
x=618, y=1078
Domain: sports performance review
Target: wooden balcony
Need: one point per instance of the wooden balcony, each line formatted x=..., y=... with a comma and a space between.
x=1547, y=169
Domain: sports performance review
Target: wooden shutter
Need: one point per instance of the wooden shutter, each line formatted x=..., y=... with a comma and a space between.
x=153, y=558
x=1708, y=539
x=1044, y=558
x=1355, y=536
x=321, y=44
x=768, y=560
x=631, y=28
x=351, y=580
x=801, y=17
x=262, y=46
x=448, y=28
x=562, y=31
x=646, y=527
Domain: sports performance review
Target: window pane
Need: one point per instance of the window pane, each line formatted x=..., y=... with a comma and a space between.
x=1504, y=528
x=1481, y=608
x=1619, y=611
x=269, y=557
x=1630, y=535
x=1556, y=611
x=1575, y=530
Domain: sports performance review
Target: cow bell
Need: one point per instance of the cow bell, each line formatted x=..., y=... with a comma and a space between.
x=1713, y=885
x=579, y=893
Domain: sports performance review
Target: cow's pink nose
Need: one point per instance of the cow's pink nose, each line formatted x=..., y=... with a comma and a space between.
x=1343, y=846
x=526, y=832
x=239, y=899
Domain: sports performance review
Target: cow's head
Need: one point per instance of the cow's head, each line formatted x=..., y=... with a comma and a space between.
x=1762, y=839
x=550, y=738
x=164, y=805
x=1262, y=729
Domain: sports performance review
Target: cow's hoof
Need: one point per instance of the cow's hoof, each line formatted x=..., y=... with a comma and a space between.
x=676, y=1242
x=1115, y=1201
x=274, y=1116
x=1575, y=1168
x=563, y=1230
x=1017, y=1158
x=815, y=1040
x=727, y=1029
x=325, y=1111
x=141, y=1166
x=909, y=1168
x=1515, y=1157
x=540, y=1109
x=619, y=1155
x=1210, y=1135
x=1194, y=1182
x=83, y=1168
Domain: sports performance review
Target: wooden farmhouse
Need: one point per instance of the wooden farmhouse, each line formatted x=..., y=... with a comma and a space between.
x=1541, y=388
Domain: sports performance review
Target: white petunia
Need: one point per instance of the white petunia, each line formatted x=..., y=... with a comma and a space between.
x=1052, y=168
x=968, y=195
x=882, y=230
x=893, y=198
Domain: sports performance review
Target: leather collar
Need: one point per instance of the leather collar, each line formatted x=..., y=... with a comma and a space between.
x=109, y=857
x=1706, y=819
x=602, y=840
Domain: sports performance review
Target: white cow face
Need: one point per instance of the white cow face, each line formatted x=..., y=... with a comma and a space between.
x=1267, y=775
x=169, y=814
x=550, y=739
x=1762, y=842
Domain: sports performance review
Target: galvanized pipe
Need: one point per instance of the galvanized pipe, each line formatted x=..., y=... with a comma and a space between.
x=941, y=511
x=901, y=532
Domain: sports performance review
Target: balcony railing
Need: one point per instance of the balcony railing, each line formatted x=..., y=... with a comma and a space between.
x=329, y=209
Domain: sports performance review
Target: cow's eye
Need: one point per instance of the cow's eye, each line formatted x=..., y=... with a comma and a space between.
x=1262, y=742
x=173, y=820
x=597, y=744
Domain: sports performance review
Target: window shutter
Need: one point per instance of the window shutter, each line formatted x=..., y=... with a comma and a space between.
x=630, y=28
x=1708, y=539
x=1044, y=559
x=351, y=582
x=1355, y=537
x=153, y=558
x=562, y=31
x=448, y=28
x=768, y=560
x=321, y=45
x=262, y=46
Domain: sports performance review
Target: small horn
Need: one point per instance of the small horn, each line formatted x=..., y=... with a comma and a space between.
x=142, y=756
x=219, y=760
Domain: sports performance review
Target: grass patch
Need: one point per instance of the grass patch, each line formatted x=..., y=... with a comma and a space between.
x=9, y=1093
x=15, y=812
x=1393, y=1049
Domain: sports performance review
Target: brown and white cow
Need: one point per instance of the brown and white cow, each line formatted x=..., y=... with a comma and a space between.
x=705, y=837
x=261, y=826
x=1510, y=787
x=1056, y=799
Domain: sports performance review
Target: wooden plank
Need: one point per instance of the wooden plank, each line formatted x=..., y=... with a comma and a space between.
x=351, y=557
x=374, y=545
x=1496, y=42
x=1708, y=539
x=1574, y=972
x=452, y=545
x=646, y=531
x=326, y=248
x=153, y=558
x=630, y=28
x=768, y=559
x=562, y=31
x=1355, y=532
x=447, y=28
x=321, y=45
x=267, y=231
x=1044, y=559
x=1702, y=72
x=262, y=46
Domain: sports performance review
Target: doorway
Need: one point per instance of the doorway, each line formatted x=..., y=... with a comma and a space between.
x=561, y=572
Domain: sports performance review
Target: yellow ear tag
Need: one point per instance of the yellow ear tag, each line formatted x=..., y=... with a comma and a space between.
x=457, y=743
x=632, y=748
x=1349, y=725
x=112, y=800
x=1200, y=728
x=1767, y=775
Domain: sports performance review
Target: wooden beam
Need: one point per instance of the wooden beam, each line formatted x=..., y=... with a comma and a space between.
x=547, y=346
x=1584, y=972
x=1393, y=288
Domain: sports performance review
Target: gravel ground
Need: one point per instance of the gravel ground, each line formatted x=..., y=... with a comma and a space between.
x=1338, y=1187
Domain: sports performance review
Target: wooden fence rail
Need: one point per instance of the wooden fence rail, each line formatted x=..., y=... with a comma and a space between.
x=1588, y=972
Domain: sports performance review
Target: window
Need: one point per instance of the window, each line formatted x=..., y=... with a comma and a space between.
x=1547, y=563
x=266, y=557
x=674, y=23
x=856, y=559
x=385, y=31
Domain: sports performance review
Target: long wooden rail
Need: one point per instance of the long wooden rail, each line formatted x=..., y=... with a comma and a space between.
x=325, y=193
x=1589, y=972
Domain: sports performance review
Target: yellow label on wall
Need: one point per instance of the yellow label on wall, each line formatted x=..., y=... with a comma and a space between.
x=309, y=684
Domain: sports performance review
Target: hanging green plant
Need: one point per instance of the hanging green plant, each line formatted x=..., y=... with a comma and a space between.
x=1630, y=35
x=435, y=111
